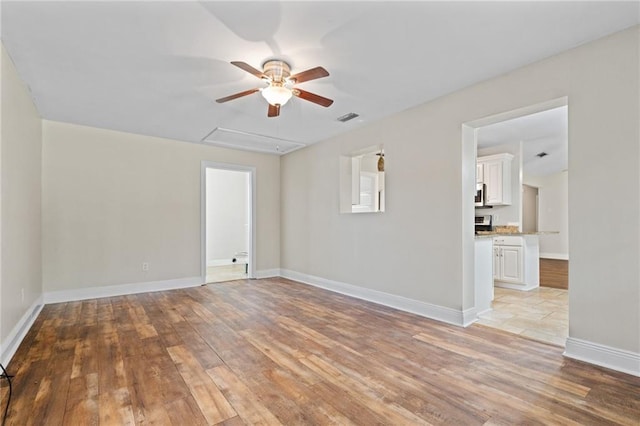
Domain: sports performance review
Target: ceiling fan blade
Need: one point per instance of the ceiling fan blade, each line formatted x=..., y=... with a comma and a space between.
x=236, y=95
x=312, y=97
x=248, y=68
x=311, y=74
x=274, y=111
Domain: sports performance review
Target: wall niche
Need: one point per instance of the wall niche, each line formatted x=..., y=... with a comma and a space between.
x=362, y=181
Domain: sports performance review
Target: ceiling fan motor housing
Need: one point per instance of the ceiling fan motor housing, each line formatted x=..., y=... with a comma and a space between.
x=277, y=71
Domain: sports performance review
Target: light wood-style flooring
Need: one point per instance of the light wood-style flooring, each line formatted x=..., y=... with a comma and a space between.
x=277, y=352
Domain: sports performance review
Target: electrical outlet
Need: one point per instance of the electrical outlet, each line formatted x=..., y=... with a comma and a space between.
x=145, y=266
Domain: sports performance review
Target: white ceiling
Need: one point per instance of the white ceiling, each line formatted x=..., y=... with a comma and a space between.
x=155, y=68
x=545, y=131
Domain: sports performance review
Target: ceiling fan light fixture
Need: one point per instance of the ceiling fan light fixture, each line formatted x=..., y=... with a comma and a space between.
x=277, y=95
x=277, y=75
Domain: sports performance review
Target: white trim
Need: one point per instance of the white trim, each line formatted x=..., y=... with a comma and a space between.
x=604, y=356
x=469, y=316
x=268, y=273
x=515, y=286
x=119, y=290
x=558, y=256
x=11, y=344
x=428, y=310
x=204, y=165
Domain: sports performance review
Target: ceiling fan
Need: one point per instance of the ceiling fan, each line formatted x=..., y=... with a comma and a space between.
x=280, y=85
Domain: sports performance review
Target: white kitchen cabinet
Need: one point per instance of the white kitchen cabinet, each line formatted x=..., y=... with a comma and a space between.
x=479, y=173
x=511, y=264
x=516, y=262
x=496, y=175
x=507, y=259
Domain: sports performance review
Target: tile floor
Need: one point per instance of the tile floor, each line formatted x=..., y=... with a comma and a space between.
x=541, y=314
x=216, y=274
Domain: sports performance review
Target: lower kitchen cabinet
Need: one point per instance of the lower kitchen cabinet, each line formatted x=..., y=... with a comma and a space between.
x=516, y=262
x=508, y=264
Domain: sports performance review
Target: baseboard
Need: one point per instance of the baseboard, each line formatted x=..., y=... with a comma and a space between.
x=469, y=316
x=556, y=256
x=220, y=262
x=604, y=356
x=512, y=286
x=119, y=290
x=428, y=310
x=268, y=273
x=9, y=347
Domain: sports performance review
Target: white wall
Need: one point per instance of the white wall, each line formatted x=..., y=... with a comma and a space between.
x=529, y=208
x=20, y=255
x=417, y=248
x=227, y=214
x=553, y=213
x=511, y=214
x=114, y=200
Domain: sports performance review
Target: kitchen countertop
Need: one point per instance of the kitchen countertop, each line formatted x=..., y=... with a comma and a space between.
x=491, y=234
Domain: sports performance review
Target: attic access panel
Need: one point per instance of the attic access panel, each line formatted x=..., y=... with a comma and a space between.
x=237, y=139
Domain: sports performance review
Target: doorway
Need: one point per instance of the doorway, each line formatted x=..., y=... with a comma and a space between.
x=228, y=222
x=540, y=203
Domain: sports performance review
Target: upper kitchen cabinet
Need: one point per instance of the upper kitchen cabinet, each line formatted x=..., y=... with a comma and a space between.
x=496, y=175
x=479, y=173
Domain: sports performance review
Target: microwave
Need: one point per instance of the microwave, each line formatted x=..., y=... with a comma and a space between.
x=484, y=223
x=480, y=194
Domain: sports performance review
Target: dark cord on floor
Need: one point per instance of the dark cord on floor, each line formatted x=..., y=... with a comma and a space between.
x=5, y=375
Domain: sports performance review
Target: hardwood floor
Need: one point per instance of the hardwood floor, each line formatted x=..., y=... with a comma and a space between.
x=277, y=352
x=554, y=273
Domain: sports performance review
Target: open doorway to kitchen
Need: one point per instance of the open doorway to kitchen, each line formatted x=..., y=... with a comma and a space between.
x=532, y=144
x=227, y=222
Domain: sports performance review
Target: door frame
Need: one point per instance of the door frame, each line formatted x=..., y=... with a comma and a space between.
x=251, y=270
x=469, y=158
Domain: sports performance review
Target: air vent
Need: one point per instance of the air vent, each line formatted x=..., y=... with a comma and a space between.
x=541, y=154
x=347, y=117
x=237, y=139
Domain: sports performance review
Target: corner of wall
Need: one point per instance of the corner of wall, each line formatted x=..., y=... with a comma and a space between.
x=20, y=211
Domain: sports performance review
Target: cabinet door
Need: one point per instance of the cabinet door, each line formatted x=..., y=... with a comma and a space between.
x=511, y=264
x=493, y=179
x=479, y=173
x=496, y=263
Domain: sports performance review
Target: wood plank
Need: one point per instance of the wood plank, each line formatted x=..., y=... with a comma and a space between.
x=82, y=401
x=115, y=407
x=146, y=391
x=554, y=273
x=186, y=411
x=211, y=401
x=240, y=397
